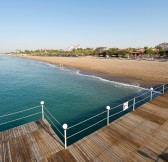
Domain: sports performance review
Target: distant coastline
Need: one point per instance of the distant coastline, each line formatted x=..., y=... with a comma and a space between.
x=144, y=73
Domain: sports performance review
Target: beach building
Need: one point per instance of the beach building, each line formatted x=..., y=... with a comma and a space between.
x=73, y=47
x=101, y=49
x=163, y=45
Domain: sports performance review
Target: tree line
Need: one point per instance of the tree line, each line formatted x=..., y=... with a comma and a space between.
x=111, y=52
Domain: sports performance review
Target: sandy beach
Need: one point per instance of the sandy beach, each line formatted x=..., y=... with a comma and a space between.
x=145, y=73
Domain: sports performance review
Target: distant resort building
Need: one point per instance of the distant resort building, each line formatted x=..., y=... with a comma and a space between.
x=142, y=51
x=164, y=46
x=73, y=47
x=18, y=50
x=138, y=51
x=101, y=49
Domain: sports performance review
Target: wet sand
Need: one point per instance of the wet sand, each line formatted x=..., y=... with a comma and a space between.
x=145, y=73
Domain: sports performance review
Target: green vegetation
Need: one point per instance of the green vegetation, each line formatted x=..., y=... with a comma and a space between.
x=101, y=52
x=73, y=53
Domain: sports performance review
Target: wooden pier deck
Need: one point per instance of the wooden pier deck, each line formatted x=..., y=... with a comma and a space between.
x=34, y=141
x=141, y=135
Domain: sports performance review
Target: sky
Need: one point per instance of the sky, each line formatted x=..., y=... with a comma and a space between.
x=58, y=24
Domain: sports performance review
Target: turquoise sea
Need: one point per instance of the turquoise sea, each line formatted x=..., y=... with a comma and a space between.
x=69, y=95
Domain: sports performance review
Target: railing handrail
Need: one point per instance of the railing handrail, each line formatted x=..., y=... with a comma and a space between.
x=54, y=125
x=20, y=118
x=52, y=116
x=116, y=106
x=52, y=121
x=143, y=94
x=87, y=128
x=19, y=111
x=86, y=120
x=142, y=99
x=159, y=86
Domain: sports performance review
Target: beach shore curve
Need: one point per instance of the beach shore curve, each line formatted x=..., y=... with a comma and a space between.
x=144, y=73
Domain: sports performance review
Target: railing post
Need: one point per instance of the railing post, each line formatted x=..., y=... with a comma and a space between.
x=151, y=93
x=65, y=126
x=42, y=109
x=134, y=104
x=108, y=109
x=163, y=88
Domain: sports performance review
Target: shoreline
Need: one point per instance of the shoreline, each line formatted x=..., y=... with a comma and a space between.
x=122, y=73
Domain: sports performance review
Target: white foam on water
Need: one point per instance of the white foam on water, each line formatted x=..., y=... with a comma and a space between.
x=57, y=67
x=109, y=81
x=77, y=72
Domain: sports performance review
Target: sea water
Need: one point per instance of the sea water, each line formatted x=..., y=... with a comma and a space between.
x=68, y=95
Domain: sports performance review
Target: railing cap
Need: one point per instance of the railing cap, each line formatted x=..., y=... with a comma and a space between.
x=108, y=107
x=42, y=102
x=65, y=126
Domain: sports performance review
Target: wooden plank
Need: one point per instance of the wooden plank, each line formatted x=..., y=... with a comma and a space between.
x=149, y=116
x=78, y=154
x=62, y=156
